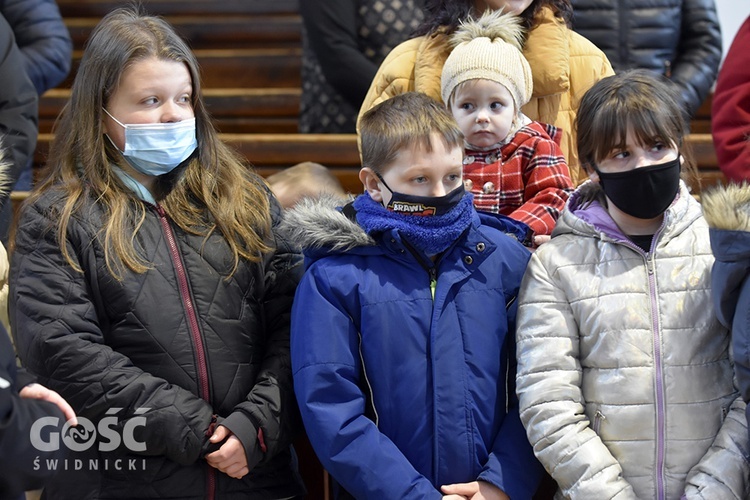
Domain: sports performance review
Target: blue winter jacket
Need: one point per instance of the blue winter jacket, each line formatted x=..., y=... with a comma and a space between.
x=402, y=391
x=727, y=211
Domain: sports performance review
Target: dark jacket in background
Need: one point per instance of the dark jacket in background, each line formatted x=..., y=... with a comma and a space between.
x=18, y=106
x=17, y=415
x=180, y=340
x=19, y=119
x=43, y=38
x=677, y=38
x=343, y=43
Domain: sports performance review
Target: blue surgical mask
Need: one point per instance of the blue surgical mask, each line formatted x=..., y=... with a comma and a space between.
x=157, y=148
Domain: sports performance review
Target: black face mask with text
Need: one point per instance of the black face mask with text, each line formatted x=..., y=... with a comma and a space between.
x=409, y=204
x=644, y=193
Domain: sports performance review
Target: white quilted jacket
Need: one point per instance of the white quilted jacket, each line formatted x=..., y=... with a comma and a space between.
x=624, y=375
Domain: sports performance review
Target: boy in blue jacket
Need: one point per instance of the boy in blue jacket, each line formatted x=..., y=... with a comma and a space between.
x=403, y=348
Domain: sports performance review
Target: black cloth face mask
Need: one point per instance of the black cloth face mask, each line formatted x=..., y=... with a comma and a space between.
x=644, y=193
x=410, y=204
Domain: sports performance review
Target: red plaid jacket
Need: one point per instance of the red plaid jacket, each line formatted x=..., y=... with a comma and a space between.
x=527, y=179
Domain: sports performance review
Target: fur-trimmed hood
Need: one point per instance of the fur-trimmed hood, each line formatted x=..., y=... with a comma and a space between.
x=727, y=207
x=319, y=224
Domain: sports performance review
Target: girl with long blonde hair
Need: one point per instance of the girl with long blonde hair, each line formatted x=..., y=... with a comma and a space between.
x=150, y=288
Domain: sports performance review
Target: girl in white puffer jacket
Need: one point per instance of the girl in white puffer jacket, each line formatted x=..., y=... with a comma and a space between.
x=624, y=374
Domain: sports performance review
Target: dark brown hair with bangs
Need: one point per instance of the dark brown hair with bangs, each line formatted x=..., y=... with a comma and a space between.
x=405, y=121
x=636, y=100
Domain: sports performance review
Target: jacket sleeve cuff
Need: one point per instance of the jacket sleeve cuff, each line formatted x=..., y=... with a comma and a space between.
x=250, y=436
x=514, y=480
x=24, y=378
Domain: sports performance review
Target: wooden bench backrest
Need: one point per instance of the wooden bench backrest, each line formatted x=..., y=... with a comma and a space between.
x=100, y=8
x=239, y=111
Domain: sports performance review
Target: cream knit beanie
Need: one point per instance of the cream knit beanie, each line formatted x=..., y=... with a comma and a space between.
x=489, y=48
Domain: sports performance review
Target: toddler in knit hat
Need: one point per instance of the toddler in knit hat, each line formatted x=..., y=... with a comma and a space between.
x=512, y=165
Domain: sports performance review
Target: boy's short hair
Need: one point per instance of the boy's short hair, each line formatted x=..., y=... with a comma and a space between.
x=405, y=121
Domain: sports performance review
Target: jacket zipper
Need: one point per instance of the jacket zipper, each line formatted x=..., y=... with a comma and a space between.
x=431, y=269
x=599, y=417
x=433, y=281
x=649, y=258
x=200, y=353
x=432, y=272
x=660, y=410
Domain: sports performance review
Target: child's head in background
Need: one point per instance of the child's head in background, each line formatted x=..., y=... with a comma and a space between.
x=304, y=180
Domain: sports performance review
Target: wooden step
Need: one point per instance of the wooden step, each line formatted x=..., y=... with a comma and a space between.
x=269, y=153
x=283, y=150
x=701, y=122
x=99, y=8
x=244, y=68
x=235, y=110
x=220, y=32
x=272, y=150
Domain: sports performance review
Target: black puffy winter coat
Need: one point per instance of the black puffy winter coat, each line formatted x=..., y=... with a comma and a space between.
x=19, y=105
x=677, y=38
x=17, y=417
x=43, y=38
x=157, y=358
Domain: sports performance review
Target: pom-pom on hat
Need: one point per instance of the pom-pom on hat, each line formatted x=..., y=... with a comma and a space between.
x=489, y=48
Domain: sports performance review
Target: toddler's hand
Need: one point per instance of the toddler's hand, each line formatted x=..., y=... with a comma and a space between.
x=542, y=238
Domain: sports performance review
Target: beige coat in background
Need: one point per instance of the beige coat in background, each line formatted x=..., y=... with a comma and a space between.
x=564, y=66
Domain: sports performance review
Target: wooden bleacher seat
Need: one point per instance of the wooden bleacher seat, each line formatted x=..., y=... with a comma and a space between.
x=99, y=8
x=705, y=159
x=220, y=32
x=701, y=122
x=222, y=68
x=234, y=110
